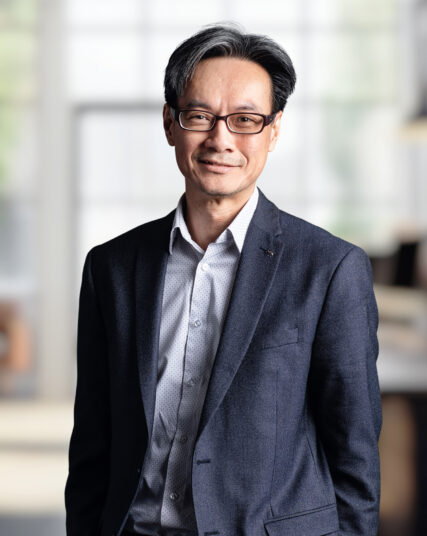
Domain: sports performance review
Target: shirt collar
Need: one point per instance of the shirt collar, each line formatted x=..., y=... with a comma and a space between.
x=236, y=230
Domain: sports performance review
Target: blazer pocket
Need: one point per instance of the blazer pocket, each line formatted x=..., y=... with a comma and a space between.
x=315, y=522
x=281, y=338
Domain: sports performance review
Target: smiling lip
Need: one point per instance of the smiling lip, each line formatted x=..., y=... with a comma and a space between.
x=214, y=163
x=217, y=168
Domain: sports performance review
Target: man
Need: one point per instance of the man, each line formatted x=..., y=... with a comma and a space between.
x=226, y=353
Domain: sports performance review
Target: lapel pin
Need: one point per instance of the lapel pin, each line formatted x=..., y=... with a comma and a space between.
x=268, y=252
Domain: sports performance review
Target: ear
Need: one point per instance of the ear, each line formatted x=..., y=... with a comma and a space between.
x=275, y=130
x=168, y=124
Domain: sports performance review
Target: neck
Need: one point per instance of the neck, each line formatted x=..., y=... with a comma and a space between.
x=208, y=216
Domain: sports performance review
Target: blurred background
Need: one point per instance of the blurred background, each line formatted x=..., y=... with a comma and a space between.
x=83, y=158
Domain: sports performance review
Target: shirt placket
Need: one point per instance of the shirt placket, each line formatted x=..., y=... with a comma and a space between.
x=197, y=364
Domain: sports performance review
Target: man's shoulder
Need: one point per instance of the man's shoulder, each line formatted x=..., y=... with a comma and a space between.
x=128, y=243
x=313, y=244
x=311, y=233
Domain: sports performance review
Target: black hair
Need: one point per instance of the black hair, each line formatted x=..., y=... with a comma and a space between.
x=230, y=41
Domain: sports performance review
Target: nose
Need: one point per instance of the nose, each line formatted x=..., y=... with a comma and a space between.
x=220, y=139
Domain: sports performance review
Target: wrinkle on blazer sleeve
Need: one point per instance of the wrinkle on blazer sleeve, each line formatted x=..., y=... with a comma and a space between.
x=345, y=393
x=87, y=481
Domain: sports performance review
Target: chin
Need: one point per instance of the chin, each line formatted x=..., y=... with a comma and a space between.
x=226, y=190
x=217, y=193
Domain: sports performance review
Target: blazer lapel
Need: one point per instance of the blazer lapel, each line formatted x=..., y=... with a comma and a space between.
x=258, y=262
x=150, y=275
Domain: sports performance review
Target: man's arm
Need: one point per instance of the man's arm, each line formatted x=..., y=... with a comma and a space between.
x=345, y=393
x=87, y=482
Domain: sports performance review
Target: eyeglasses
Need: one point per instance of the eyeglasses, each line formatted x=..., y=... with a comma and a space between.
x=239, y=123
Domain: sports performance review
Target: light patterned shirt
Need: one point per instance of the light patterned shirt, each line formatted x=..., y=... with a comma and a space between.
x=197, y=290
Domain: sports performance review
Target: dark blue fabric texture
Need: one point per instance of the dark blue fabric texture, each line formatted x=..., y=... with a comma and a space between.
x=287, y=442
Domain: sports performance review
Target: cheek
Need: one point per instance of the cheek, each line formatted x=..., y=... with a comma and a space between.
x=256, y=151
x=184, y=148
x=182, y=153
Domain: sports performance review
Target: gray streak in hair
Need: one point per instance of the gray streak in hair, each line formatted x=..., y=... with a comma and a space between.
x=229, y=40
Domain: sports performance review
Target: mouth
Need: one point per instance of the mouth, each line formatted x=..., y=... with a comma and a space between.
x=215, y=163
x=215, y=166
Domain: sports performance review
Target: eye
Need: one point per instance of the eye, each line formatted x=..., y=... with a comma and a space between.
x=245, y=119
x=197, y=116
x=246, y=122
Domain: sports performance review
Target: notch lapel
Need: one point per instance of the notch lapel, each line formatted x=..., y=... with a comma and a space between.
x=150, y=272
x=258, y=263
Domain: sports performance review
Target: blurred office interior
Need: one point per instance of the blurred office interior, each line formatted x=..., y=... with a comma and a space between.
x=83, y=158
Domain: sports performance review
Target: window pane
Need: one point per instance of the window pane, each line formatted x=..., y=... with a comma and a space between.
x=18, y=243
x=18, y=12
x=352, y=157
x=125, y=156
x=354, y=66
x=368, y=13
x=270, y=12
x=160, y=45
x=18, y=150
x=107, y=66
x=104, y=12
x=186, y=12
x=17, y=65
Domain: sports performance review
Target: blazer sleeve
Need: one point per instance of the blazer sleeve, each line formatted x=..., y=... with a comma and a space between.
x=345, y=391
x=87, y=482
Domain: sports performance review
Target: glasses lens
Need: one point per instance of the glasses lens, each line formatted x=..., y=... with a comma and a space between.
x=196, y=120
x=246, y=123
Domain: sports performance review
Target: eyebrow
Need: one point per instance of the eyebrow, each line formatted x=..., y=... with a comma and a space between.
x=195, y=104
x=201, y=104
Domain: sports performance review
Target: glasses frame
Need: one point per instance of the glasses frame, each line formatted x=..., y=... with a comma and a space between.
x=176, y=113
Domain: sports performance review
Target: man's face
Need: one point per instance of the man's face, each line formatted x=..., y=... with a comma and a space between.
x=219, y=162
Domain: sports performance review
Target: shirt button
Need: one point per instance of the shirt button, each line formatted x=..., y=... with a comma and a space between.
x=173, y=496
x=192, y=381
x=197, y=323
x=182, y=439
x=204, y=267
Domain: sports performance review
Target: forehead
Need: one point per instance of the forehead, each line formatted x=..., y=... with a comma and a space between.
x=229, y=83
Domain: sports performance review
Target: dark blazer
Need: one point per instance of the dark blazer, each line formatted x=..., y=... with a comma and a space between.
x=287, y=442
